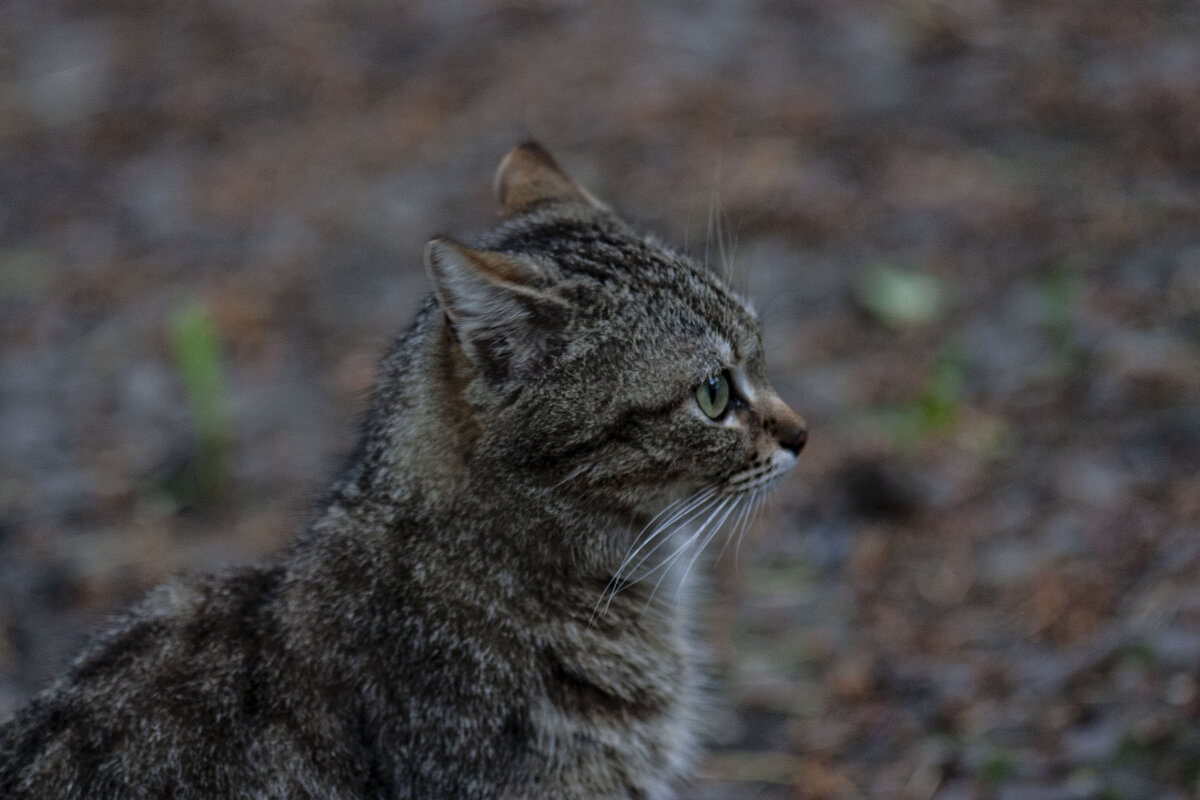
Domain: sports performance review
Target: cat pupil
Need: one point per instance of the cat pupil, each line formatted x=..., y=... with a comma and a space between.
x=713, y=396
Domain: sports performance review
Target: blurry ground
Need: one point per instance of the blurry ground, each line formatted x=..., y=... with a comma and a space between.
x=973, y=229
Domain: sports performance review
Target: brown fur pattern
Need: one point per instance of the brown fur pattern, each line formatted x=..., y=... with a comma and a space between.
x=492, y=601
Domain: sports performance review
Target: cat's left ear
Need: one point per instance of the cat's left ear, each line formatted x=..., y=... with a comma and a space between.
x=529, y=176
x=499, y=316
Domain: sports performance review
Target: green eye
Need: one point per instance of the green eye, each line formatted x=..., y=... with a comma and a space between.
x=713, y=396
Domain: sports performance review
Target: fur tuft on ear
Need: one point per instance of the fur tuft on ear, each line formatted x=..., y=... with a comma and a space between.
x=529, y=176
x=498, y=317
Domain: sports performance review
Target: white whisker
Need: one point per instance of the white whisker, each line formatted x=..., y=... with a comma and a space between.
x=691, y=540
x=676, y=513
x=737, y=503
x=680, y=524
x=572, y=475
x=704, y=544
x=721, y=253
x=708, y=234
x=756, y=501
x=739, y=523
x=739, y=282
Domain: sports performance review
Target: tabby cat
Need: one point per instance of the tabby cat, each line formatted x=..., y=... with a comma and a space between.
x=492, y=601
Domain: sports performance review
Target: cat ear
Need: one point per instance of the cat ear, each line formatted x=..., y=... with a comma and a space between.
x=529, y=176
x=498, y=316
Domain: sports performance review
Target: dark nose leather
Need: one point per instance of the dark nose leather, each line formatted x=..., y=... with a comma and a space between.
x=794, y=440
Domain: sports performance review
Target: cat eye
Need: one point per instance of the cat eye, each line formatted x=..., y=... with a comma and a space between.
x=713, y=396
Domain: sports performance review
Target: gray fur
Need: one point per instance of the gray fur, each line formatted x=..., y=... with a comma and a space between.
x=486, y=605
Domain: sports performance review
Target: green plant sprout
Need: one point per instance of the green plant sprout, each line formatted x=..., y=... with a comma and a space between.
x=937, y=407
x=198, y=360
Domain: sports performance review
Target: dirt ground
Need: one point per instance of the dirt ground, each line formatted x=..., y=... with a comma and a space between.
x=972, y=229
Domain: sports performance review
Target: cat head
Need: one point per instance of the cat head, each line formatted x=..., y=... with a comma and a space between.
x=605, y=365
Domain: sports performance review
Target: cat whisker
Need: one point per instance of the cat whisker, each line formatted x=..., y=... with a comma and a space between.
x=721, y=242
x=708, y=234
x=676, y=514
x=756, y=502
x=572, y=475
x=747, y=521
x=745, y=501
x=739, y=282
x=704, y=508
x=716, y=526
x=711, y=506
x=744, y=524
x=692, y=538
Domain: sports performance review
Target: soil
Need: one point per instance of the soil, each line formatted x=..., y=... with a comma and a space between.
x=972, y=230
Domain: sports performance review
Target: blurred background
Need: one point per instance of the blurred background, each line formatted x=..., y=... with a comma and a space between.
x=972, y=229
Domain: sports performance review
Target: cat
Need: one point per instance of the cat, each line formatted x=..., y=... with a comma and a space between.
x=492, y=601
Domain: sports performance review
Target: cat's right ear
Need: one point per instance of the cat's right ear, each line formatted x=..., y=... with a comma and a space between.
x=529, y=176
x=495, y=310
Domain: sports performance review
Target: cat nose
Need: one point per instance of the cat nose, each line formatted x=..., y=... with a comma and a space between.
x=787, y=427
x=794, y=440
